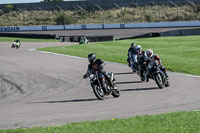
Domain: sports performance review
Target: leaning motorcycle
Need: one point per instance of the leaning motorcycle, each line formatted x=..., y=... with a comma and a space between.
x=16, y=45
x=158, y=75
x=101, y=86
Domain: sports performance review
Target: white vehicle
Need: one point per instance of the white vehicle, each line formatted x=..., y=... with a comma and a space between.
x=16, y=45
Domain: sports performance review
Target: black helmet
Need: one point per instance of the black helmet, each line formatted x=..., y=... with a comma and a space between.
x=133, y=44
x=91, y=57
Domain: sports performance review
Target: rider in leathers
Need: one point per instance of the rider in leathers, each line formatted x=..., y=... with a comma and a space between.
x=97, y=65
x=141, y=57
x=154, y=57
x=132, y=56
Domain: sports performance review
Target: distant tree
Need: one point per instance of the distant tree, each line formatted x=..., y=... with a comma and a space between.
x=63, y=19
x=9, y=7
x=52, y=1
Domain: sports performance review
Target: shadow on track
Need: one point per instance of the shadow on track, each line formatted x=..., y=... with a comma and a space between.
x=123, y=73
x=129, y=82
x=140, y=89
x=67, y=101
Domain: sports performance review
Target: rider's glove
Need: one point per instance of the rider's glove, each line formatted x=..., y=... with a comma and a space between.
x=85, y=76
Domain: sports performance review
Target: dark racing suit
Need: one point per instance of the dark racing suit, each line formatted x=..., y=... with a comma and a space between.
x=141, y=61
x=97, y=66
x=141, y=58
x=132, y=58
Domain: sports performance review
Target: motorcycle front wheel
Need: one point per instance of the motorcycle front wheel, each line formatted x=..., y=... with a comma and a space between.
x=159, y=80
x=143, y=76
x=98, y=92
x=115, y=92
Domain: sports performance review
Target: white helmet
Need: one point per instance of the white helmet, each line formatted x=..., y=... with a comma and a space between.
x=139, y=48
x=149, y=52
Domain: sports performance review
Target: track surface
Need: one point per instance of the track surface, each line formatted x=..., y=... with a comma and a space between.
x=39, y=89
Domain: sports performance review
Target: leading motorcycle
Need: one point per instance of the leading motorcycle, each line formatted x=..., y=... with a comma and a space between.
x=16, y=45
x=158, y=75
x=101, y=86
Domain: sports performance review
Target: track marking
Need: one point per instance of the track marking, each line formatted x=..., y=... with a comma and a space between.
x=45, y=52
x=34, y=50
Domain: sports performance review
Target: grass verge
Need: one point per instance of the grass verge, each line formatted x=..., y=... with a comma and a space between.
x=176, y=122
x=11, y=39
x=178, y=54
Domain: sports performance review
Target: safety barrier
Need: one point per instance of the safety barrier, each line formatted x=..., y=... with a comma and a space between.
x=90, y=38
x=29, y=35
x=101, y=26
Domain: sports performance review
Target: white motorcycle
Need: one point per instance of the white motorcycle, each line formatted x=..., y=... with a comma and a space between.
x=16, y=45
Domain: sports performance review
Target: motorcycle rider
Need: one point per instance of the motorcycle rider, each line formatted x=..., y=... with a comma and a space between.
x=16, y=42
x=141, y=62
x=141, y=55
x=96, y=65
x=132, y=56
x=151, y=58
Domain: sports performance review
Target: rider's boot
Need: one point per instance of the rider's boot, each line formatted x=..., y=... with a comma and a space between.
x=147, y=79
x=110, y=80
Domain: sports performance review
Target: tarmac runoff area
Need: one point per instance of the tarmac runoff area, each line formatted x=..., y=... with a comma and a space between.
x=43, y=89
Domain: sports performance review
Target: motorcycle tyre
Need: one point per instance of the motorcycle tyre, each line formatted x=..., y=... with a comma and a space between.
x=97, y=93
x=115, y=92
x=160, y=85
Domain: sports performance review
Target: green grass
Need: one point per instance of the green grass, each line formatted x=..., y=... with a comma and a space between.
x=176, y=122
x=11, y=39
x=178, y=54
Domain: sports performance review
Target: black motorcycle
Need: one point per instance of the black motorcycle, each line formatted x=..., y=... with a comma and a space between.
x=158, y=75
x=101, y=86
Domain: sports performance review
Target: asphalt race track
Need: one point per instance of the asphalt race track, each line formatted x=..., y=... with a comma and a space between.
x=40, y=89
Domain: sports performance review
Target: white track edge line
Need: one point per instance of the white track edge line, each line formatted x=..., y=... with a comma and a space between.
x=34, y=50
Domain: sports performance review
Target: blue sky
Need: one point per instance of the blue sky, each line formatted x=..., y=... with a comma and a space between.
x=21, y=1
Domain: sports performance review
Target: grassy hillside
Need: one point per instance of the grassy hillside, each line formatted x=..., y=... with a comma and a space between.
x=122, y=15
